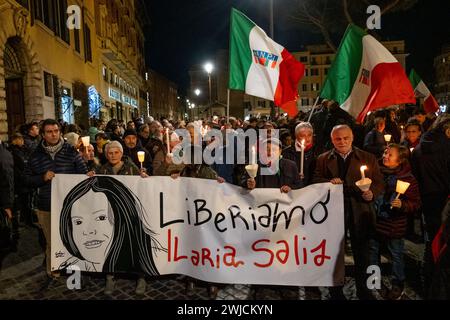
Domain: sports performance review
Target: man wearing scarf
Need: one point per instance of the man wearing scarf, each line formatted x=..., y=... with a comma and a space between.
x=52, y=156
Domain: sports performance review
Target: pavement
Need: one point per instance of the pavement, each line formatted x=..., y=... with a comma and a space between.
x=22, y=277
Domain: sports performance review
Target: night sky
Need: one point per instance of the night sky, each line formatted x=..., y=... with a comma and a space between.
x=187, y=32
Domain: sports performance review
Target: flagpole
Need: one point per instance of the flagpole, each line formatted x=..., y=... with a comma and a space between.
x=228, y=105
x=312, y=110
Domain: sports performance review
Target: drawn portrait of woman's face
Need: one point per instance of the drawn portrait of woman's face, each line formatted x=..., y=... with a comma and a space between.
x=92, y=226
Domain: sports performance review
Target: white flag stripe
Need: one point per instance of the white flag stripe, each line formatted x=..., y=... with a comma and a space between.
x=373, y=54
x=256, y=82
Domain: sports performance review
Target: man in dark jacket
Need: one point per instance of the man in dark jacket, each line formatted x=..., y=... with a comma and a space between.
x=22, y=203
x=374, y=141
x=431, y=167
x=285, y=179
x=132, y=147
x=31, y=137
x=304, y=132
x=52, y=156
x=341, y=165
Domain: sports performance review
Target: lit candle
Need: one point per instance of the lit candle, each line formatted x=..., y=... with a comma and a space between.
x=86, y=141
x=168, y=140
x=363, y=176
x=302, y=158
x=253, y=155
x=411, y=149
x=141, y=157
x=401, y=188
x=387, y=137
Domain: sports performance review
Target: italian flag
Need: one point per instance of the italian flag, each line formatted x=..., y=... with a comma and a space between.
x=365, y=76
x=421, y=91
x=260, y=66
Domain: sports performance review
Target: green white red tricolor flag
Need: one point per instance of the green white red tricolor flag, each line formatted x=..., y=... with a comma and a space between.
x=365, y=76
x=421, y=91
x=260, y=66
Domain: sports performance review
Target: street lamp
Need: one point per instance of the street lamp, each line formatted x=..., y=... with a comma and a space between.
x=209, y=68
x=197, y=92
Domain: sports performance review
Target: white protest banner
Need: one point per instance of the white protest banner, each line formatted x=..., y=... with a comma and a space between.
x=200, y=228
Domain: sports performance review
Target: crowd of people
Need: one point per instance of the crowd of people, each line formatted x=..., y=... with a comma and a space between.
x=402, y=143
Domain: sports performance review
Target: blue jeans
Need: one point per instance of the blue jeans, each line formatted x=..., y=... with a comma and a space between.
x=396, y=248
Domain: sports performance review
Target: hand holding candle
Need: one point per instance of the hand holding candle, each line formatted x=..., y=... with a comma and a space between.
x=365, y=183
x=401, y=188
x=141, y=157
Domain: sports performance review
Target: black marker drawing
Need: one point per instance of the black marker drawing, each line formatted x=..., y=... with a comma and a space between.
x=111, y=235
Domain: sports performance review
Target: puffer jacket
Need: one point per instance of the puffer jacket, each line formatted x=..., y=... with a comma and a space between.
x=128, y=168
x=391, y=223
x=66, y=161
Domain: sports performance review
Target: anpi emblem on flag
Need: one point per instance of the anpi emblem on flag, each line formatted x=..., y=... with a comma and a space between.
x=365, y=76
x=419, y=93
x=265, y=58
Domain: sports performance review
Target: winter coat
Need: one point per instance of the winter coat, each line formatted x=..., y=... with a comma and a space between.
x=67, y=161
x=287, y=175
x=132, y=154
x=309, y=162
x=391, y=223
x=363, y=213
x=6, y=178
x=128, y=168
x=31, y=143
x=20, y=159
x=374, y=143
x=431, y=164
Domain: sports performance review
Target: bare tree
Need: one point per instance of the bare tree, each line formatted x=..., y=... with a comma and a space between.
x=331, y=17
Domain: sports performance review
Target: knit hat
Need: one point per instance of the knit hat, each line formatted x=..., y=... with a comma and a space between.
x=129, y=132
x=72, y=138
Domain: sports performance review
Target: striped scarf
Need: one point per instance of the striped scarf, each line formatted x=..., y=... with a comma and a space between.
x=53, y=150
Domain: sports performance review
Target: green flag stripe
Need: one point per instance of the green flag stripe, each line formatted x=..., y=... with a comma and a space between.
x=414, y=78
x=345, y=68
x=240, y=52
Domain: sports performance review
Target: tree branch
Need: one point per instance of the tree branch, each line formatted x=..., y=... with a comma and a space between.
x=347, y=12
x=390, y=6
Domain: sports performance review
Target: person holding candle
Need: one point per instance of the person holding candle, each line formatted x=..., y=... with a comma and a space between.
x=341, y=165
x=132, y=147
x=118, y=164
x=374, y=142
x=304, y=132
x=392, y=210
x=285, y=178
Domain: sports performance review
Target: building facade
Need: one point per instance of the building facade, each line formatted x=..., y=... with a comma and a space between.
x=162, y=97
x=442, y=73
x=120, y=39
x=48, y=70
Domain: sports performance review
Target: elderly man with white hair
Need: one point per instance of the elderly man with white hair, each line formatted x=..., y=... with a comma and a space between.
x=304, y=132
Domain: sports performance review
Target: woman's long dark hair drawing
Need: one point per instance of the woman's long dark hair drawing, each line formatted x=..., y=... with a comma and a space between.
x=133, y=243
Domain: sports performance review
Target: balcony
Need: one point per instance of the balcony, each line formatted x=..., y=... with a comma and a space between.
x=109, y=49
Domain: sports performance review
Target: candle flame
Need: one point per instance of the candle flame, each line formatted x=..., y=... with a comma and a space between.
x=363, y=168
